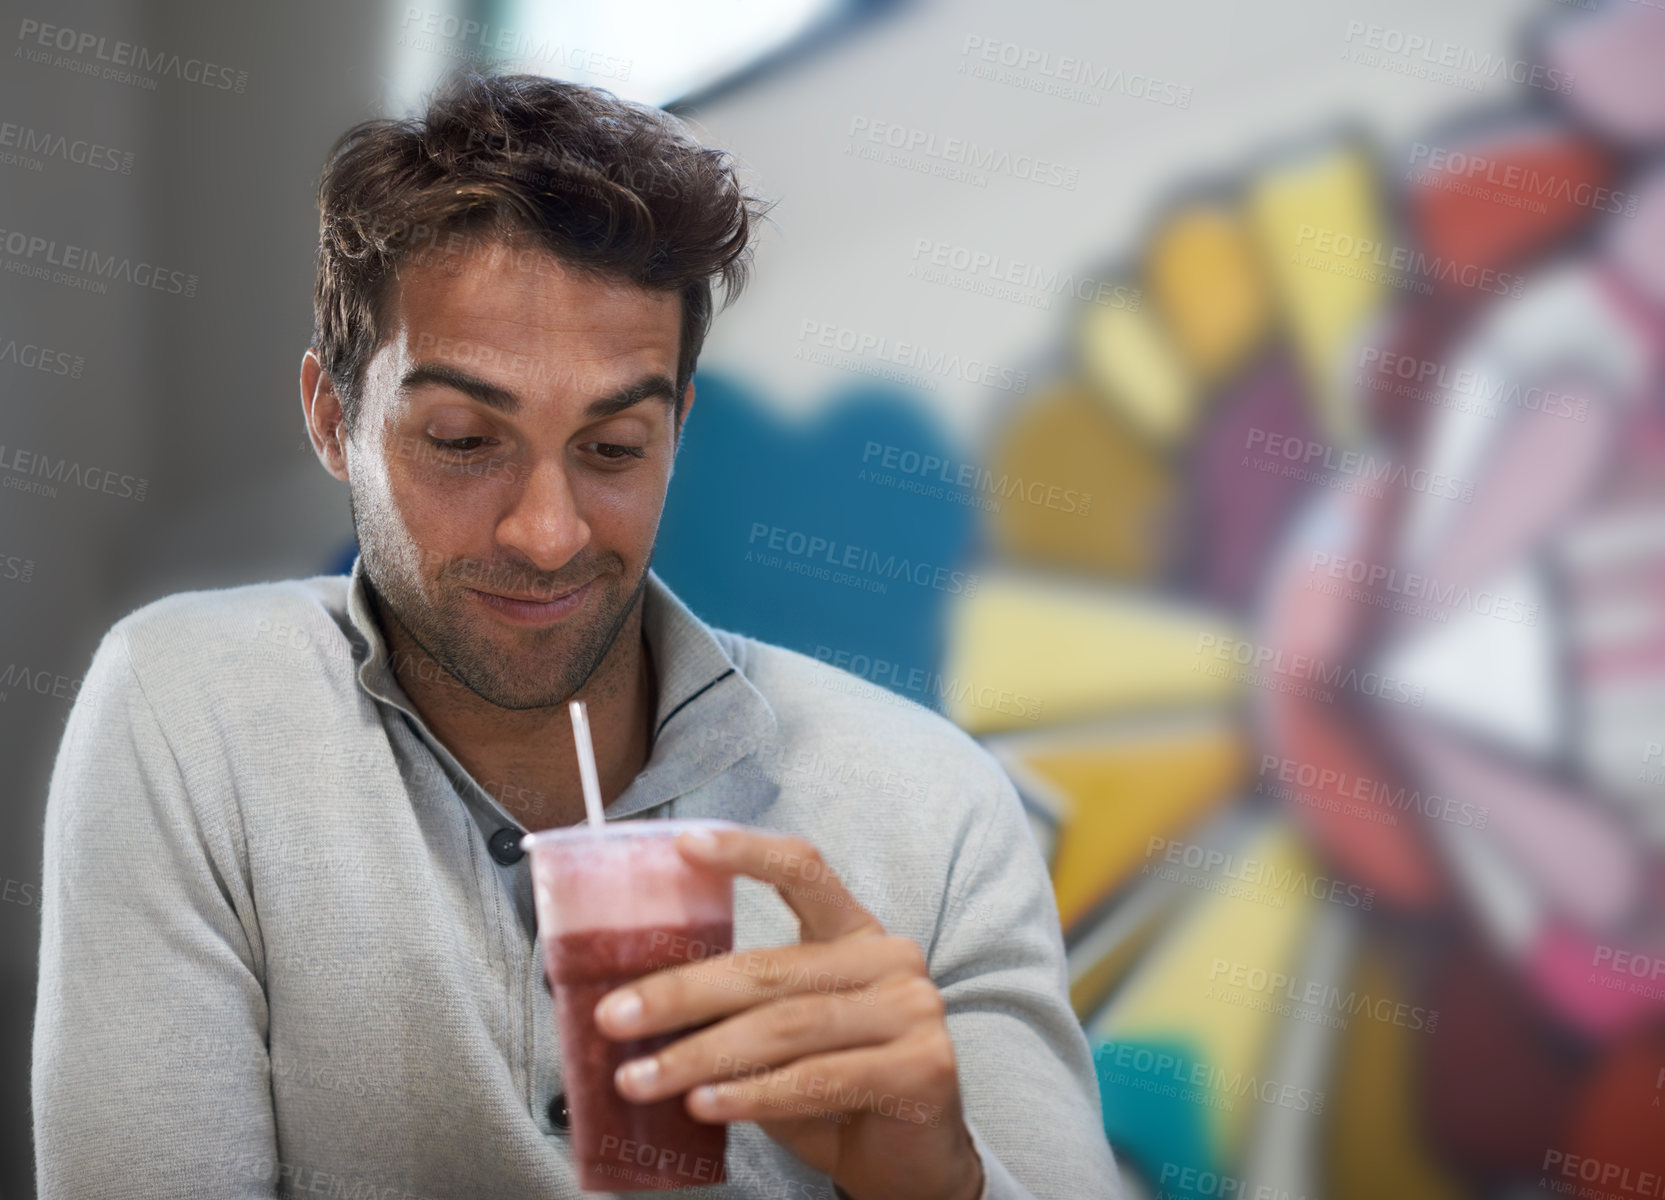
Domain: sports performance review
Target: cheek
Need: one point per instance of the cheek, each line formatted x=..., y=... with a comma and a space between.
x=437, y=494
x=625, y=509
x=435, y=519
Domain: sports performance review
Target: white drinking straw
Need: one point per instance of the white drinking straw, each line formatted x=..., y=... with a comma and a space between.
x=586, y=763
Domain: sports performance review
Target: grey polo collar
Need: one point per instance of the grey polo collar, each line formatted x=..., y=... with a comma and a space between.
x=708, y=715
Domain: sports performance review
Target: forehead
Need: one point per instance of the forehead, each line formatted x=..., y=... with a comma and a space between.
x=493, y=300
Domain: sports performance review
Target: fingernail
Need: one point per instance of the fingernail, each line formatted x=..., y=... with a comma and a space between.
x=621, y=1008
x=638, y=1074
x=701, y=841
x=708, y=1097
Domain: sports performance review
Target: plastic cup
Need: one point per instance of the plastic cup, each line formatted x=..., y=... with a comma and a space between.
x=614, y=904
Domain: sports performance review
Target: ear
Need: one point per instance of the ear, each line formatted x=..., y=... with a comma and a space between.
x=322, y=407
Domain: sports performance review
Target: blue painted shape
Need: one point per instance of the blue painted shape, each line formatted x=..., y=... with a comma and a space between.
x=1153, y=1121
x=759, y=506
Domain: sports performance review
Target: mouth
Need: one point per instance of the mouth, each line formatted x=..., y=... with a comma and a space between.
x=521, y=610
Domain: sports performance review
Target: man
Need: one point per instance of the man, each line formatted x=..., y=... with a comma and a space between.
x=288, y=942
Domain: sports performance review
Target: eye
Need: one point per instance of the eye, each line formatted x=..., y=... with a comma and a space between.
x=617, y=453
x=459, y=445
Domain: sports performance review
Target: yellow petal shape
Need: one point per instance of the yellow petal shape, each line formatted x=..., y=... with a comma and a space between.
x=1320, y=227
x=1127, y=357
x=1076, y=489
x=1066, y=650
x=1208, y=285
x=1120, y=789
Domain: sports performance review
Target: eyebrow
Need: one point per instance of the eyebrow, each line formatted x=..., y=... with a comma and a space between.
x=505, y=401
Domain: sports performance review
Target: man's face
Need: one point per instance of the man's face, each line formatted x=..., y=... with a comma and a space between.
x=514, y=441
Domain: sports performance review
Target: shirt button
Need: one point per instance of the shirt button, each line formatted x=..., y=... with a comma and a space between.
x=505, y=846
x=558, y=1114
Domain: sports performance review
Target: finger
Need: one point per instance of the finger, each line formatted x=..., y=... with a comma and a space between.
x=794, y=867
x=910, y=1080
x=697, y=992
x=783, y=1031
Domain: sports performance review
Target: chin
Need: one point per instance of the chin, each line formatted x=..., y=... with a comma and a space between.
x=513, y=693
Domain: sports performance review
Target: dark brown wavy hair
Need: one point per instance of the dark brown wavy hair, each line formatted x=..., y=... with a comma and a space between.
x=615, y=190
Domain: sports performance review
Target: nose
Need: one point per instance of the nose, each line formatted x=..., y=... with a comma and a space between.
x=543, y=522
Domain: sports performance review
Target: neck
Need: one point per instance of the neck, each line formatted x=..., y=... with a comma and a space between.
x=527, y=758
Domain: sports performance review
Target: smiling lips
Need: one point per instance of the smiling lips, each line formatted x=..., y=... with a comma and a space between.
x=523, y=611
x=533, y=599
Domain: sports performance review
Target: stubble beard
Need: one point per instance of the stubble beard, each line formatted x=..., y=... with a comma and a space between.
x=517, y=669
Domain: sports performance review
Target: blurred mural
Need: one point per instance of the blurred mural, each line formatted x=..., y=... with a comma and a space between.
x=1308, y=577
x=1314, y=594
